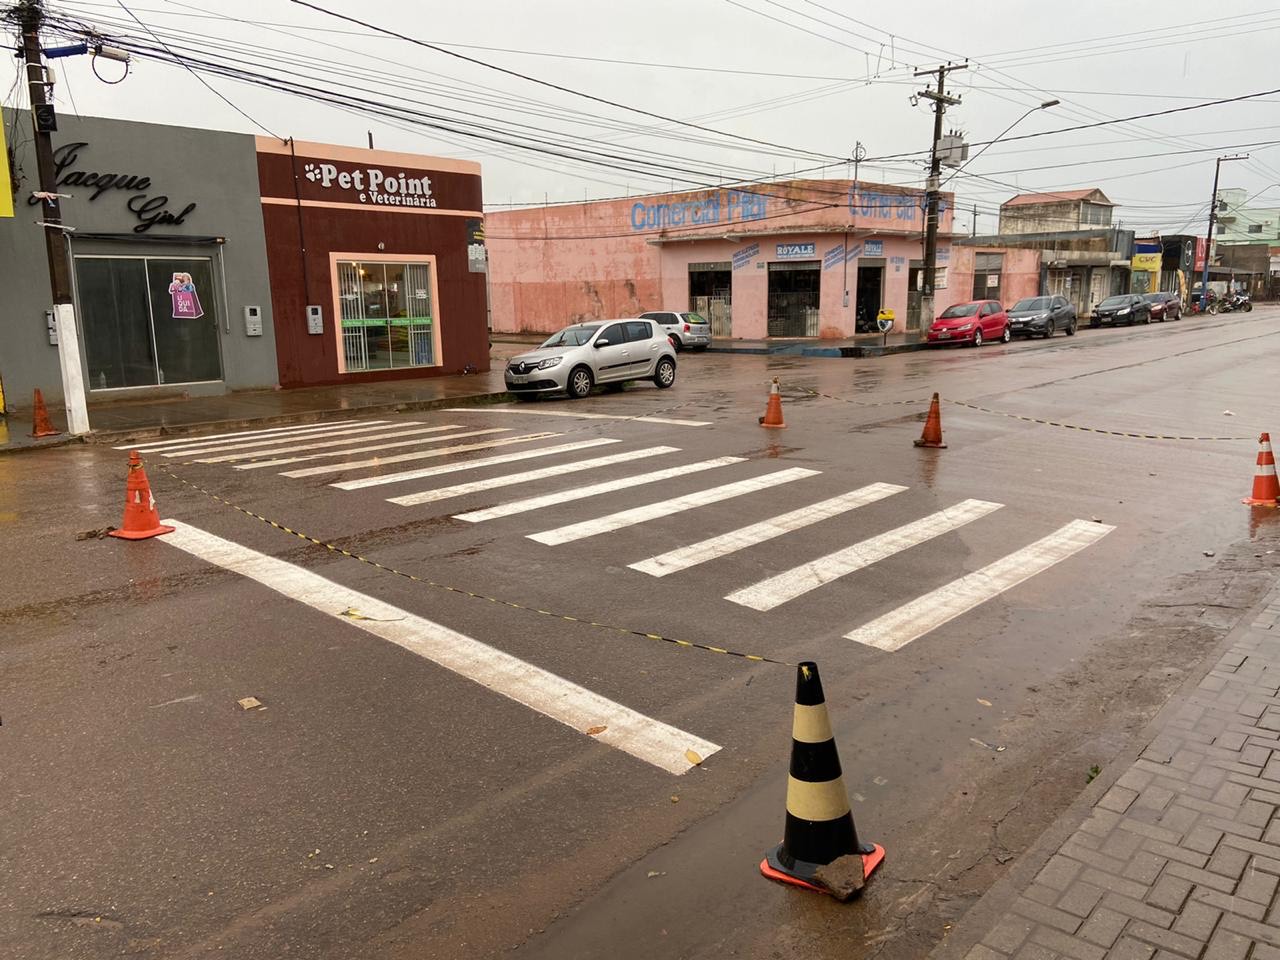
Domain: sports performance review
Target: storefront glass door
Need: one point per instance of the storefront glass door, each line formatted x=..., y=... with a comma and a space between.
x=386, y=315
x=147, y=320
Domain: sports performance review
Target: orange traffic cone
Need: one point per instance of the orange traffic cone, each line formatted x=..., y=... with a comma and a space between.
x=819, y=829
x=773, y=410
x=141, y=520
x=1266, y=489
x=40, y=425
x=932, y=435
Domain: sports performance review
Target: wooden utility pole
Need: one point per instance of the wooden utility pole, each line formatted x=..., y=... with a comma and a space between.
x=44, y=121
x=940, y=103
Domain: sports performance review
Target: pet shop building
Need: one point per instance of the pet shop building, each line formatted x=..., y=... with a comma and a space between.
x=205, y=262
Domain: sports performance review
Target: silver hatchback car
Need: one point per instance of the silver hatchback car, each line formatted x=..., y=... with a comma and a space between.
x=608, y=351
x=685, y=329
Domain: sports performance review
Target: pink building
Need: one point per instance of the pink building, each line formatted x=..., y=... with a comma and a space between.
x=804, y=258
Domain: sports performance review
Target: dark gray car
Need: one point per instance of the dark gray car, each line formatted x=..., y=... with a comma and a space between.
x=1042, y=317
x=1126, y=308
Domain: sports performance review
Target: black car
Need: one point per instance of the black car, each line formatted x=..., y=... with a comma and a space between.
x=1164, y=305
x=1126, y=308
x=1042, y=316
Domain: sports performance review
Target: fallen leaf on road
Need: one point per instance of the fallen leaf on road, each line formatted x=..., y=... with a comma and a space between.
x=1227, y=413
x=1209, y=553
x=693, y=758
x=328, y=866
x=989, y=746
x=249, y=703
x=594, y=731
x=373, y=860
x=674, y=798
x=985, y=703
x=657, y=873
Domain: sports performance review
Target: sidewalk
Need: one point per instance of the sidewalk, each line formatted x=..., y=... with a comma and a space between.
x=861, y=345
x=1180, y=857
x=120, y=420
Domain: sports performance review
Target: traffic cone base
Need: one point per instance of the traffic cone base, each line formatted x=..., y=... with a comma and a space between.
x=141, y=519
x=803, y=874
x=1266, y=487
x=41, y=426
x=773, y=409
x=931, y=436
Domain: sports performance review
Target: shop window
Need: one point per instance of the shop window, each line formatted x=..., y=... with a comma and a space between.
x=386, y=314
x=987, y=268
x=148, y=320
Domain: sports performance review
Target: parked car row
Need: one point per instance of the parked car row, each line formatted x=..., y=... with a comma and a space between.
x=981, y=321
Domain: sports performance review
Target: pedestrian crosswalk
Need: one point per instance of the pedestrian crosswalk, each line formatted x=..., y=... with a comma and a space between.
x=660, y=481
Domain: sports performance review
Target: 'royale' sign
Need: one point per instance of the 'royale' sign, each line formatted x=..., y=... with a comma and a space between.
x=373, y=185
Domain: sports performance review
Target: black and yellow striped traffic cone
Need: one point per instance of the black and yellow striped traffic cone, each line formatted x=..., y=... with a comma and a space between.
x=819, y=828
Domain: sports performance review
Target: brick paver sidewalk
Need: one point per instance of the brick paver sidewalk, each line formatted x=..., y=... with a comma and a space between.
x=1181, y=857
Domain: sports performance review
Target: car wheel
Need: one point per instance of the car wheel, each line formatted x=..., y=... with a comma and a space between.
x=665, y=374
x=1006, y=335
x=676, y=344
x=977, y=337
x=580, y=383
x=1071, y=329
x=1048, y=330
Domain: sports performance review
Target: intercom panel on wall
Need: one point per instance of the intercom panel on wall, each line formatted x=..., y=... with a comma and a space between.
x=253, y=321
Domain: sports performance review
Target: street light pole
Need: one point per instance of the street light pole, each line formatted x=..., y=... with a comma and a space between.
x=30, y=16
x=940, y=103
x=1213, y=217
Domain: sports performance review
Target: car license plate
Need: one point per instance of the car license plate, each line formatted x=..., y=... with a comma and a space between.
x=944, y=336
x=517, y=378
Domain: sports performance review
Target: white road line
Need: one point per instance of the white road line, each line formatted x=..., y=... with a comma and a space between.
x=407, y=457
x=266, y=443
x=443, y=438
x=685, y=557
x=665, y=508
x=620, y=727
x=798, y=581
x=593, y=490
x=475, y=464
x=187, y=441
x=329, y=444
x=913, y=620
x=578, y=416
x=527, y=476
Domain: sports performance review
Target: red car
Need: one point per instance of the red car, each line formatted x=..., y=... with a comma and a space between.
x=1164, y=305
x=973, y=323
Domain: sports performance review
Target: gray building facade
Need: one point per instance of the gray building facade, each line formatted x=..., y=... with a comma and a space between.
x=168, y=256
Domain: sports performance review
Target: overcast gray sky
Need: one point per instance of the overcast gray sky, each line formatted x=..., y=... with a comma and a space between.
x=811, y=77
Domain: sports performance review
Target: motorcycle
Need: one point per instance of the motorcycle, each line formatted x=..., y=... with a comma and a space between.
x=1241, y=302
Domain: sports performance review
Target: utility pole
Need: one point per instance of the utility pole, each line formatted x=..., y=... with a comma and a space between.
x=1213, y=218
x=940, y=103
x=30, y=16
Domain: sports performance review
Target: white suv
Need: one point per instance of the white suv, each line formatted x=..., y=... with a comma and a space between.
x=684, y=329
x=607, y=351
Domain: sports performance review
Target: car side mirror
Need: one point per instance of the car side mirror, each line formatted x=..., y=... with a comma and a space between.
x=600, y=343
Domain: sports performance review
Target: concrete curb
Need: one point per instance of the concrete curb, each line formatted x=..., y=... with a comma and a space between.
x=803, y=350
x=302, y=416
x=997, y=902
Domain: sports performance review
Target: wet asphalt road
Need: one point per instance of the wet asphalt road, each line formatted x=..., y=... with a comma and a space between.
x=383, y=806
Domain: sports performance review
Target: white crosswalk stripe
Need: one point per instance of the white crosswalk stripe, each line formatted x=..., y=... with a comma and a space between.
x=577, y=415
x=348, y=451
x=417, y=431
x=266, y=443
x=187, y=441
x=595, y=489
x=665, y=508
x=914, y=619
x=798, y=581
x=593, y=716
x=409, y=457
x=473, y=464
x=528, y=476
x=683, y=558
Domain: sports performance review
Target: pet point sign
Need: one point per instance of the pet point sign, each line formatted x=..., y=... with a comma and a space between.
x=371, y=185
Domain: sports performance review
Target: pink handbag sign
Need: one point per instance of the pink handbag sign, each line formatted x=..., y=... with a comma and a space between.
x=186, y=303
